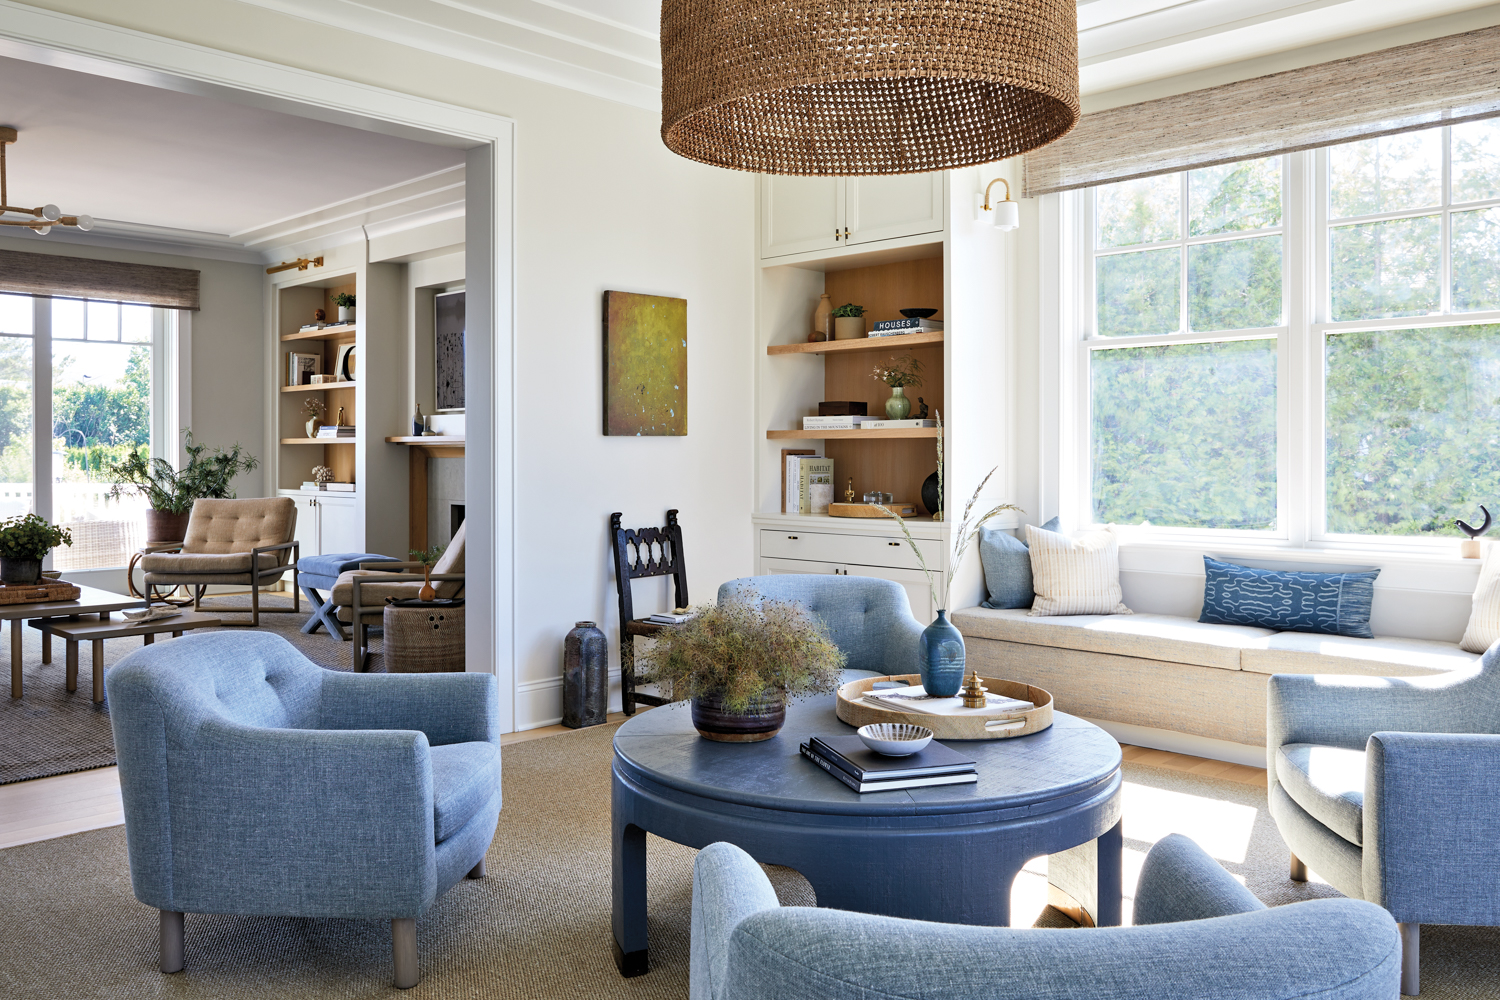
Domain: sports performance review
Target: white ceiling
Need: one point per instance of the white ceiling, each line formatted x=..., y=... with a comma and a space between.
x=609, y=47
x=139, y=158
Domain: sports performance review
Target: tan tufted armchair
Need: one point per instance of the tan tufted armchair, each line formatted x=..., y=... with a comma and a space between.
x=236, y=542
x=360, y=594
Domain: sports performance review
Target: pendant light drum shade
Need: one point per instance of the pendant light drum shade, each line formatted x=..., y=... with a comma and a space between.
x=846, y=87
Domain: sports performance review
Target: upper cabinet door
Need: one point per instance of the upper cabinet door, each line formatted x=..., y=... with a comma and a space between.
x=800, y=214
x=884, y=208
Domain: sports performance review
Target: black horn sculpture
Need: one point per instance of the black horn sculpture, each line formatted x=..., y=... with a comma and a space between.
x=1473, y=532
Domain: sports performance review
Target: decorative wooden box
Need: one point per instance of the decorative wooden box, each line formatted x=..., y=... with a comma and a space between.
x=853, y=709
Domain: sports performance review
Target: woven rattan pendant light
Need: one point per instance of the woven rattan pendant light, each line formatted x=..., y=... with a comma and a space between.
x=842, y=87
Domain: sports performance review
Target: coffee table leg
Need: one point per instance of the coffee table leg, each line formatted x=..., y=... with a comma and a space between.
x=1111, y=875
x=98, y=670
x=150, y=638
x=16, y=625
x=1091, y=874
x=629, y=842
x=70, y=654
x=46, y=647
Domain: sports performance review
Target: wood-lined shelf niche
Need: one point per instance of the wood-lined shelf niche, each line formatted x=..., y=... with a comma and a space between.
x=297, y=303
x=896, y=460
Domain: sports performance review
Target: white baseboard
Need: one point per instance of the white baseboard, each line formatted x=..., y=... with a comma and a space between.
x=1195, y=746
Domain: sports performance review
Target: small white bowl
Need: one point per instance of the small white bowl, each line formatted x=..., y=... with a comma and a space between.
x=895, y=739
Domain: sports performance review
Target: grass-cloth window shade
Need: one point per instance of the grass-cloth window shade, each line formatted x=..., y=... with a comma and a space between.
x=1409, y=87
x=846, y=87
x=105, y=280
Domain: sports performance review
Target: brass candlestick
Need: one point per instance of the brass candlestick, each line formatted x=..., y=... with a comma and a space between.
x=974, y=692
x=849, y=492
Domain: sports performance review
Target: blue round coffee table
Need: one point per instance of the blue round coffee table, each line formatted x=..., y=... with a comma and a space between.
x=947, y=853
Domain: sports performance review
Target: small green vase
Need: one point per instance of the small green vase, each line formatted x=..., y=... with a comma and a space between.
x=898, y=406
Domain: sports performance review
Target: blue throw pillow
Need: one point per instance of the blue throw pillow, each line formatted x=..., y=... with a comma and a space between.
x=1007, y=567
x=1288, y=600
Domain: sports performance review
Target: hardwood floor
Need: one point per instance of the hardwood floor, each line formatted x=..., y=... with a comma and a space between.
x=88, y=800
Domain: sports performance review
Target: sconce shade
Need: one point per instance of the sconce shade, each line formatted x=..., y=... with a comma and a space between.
x=848, y=87
x=1007, y=215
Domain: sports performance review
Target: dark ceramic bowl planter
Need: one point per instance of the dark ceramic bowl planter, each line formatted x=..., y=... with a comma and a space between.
x=761, y=719
x=20, y=572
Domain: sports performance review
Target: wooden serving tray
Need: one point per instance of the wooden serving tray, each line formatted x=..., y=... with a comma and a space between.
x=58, y=591
x=853, y=710
x=870, y=510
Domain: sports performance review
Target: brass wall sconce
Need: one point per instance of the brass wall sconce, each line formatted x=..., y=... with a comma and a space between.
x=1007, y=214
x=301, y=264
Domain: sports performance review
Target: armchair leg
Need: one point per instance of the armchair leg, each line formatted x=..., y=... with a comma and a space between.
x=478, y=870
x=171, y=941
x=1299, y=869
x=255, y=604
x=627, y=672
x=1411, y=966
x=404, y=952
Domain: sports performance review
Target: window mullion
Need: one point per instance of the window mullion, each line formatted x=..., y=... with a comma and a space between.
x=1184, y=325
x=41, y=410
x=1298, y=418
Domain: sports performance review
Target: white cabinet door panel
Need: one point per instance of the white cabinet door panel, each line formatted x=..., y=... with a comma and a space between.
x=869, y=550
x=338, y=525
x=799, y=214
x=306, y=530
x=885, y=208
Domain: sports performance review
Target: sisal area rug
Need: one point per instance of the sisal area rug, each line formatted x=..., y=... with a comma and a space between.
x=538, y=927
x=50, y=730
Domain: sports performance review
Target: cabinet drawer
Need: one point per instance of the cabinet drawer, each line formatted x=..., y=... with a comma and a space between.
x=868, y=550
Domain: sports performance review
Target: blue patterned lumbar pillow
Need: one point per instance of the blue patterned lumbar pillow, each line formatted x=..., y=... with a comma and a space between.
x=1007, y=567
x=1288, y=600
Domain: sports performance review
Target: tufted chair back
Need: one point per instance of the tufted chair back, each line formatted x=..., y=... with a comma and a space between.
x=869, y=619
x=221, y=527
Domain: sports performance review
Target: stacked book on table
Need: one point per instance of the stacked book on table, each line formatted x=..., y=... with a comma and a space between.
x=862, y=769
x=809, y=484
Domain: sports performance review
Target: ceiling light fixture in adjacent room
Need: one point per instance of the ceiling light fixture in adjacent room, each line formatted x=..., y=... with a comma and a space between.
x=847, y=87
x=42, y=219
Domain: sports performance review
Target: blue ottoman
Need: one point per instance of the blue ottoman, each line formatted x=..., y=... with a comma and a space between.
x=320, y=573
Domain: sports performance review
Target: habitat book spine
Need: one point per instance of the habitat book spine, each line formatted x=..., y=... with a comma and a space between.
x=890, y=784
x=815, y=491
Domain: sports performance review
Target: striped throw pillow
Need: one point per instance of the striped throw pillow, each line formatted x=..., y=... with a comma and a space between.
x=1484, y=619
x=1075, y=576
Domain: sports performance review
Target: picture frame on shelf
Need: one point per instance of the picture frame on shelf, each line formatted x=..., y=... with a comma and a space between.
x=448, y=346
x=300, y=368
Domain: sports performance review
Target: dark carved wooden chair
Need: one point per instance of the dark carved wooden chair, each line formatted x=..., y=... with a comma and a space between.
x=639, y=553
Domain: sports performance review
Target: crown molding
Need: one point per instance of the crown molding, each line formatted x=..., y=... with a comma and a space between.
x=143, y=239
x=549, y=43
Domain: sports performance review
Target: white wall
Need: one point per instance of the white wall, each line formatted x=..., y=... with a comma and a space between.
x=600, y=205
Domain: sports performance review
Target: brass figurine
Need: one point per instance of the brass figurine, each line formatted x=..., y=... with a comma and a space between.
x=340, y=421
x=849, y=492
x=974, y=693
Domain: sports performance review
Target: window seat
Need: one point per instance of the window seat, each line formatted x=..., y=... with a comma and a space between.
x=1178, y=674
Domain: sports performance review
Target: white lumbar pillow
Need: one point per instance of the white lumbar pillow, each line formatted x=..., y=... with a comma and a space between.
x=1484, y=619
x=1075, y=576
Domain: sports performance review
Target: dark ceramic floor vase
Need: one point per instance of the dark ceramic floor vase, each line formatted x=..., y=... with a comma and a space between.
x=760, y=721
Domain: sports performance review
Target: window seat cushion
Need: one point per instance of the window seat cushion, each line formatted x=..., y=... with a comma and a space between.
x=1382, y=656
x=1146, y=636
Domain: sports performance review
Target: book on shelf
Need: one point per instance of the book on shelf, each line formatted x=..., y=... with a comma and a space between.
x=889, y=327
x=300, y=368
x=845, y=423
x=809, y=484
x=336, y=431
x=339, y=487
x=886, y=425
x=663, y=618
x=915, y=699
x=312, y=326
x=850, y=761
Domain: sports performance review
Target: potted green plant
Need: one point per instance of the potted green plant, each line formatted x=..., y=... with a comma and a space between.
x=24, y=543
x=848, y=322
x=739, y=662
x=345, y=302
x=899, y=374
x=171, y=492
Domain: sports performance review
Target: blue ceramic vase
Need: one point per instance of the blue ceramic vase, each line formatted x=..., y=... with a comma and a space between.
x=942, y=653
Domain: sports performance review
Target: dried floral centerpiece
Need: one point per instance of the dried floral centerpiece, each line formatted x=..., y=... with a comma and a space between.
x=739, y=662
x=899, y=374
x=942, y=645
x=313, y=410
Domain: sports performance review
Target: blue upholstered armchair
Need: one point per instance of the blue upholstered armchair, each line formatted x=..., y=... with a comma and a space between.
x=1208, y=939
x=868, y=619
x=256, y=782
x=1385, y=786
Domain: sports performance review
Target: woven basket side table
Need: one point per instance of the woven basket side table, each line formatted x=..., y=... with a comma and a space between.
x=424, y=640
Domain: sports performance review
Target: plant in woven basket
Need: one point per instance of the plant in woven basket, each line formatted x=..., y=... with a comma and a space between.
x=204, y=476
x=740, y=660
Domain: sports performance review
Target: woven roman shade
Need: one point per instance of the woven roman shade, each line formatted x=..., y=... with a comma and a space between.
x=106, y=280
x=1436, y=82
x=846, y=87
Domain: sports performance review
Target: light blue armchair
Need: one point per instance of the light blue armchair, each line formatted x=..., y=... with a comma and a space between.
x=1385, y=786
x=1208, y=939
x=868, y=619
x=256, y=782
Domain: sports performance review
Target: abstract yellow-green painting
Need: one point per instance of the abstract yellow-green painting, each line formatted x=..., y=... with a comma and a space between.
x=645, y=365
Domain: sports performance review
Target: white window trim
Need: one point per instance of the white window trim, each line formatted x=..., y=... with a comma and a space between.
x=1066, y=284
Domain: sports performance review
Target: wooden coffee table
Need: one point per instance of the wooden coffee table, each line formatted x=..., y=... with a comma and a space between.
x=95, y=631
x=91, y=601
x=946, y=853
